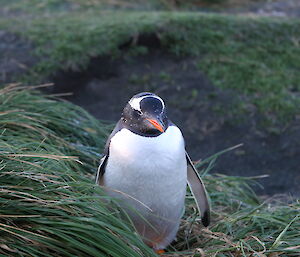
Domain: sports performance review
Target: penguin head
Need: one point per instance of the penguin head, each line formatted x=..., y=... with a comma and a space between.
x=145, y=114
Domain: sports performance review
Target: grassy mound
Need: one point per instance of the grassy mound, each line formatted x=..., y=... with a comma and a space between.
x=258, y=58
x=49, y=206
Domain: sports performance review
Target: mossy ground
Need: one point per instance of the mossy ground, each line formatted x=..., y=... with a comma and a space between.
x=256, y=57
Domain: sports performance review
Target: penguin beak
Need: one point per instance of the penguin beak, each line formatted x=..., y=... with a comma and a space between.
x=157, y=124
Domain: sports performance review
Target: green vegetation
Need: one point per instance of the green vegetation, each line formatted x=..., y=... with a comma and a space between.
x=258, y=58
x=50, y=207
x=49, y=152
x=62, y=5
x=49, y=149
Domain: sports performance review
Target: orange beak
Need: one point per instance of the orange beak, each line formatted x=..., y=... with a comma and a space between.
x=157, y=125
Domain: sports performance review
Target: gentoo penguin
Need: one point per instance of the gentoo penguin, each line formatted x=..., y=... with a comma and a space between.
x=146, y=166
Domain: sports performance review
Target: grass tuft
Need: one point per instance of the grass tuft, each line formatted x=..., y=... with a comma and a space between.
x=49, y=151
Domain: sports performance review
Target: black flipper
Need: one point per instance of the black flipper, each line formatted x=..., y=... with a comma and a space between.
x=198, y=190
x=101, y=169
x=103, y=161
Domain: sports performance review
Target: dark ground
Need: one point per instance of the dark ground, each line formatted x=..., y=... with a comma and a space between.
x=202, y=111
x=15, y=57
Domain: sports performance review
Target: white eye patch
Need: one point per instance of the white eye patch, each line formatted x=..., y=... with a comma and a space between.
x=135, y=103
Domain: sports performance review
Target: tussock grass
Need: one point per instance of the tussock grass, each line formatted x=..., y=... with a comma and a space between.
x=243, y=224
x=49, y=151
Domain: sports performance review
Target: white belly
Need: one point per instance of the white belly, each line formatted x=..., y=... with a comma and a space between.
x=151, y=173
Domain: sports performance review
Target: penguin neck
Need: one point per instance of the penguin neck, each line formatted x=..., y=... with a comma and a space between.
x=164, y=150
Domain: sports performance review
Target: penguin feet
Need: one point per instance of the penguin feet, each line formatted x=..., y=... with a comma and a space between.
x=160, y=251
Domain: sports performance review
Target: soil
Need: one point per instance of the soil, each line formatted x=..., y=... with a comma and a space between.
x=200, y=109
x=14, y=56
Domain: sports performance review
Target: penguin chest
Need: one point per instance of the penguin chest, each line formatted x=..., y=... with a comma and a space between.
x=149, y=171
